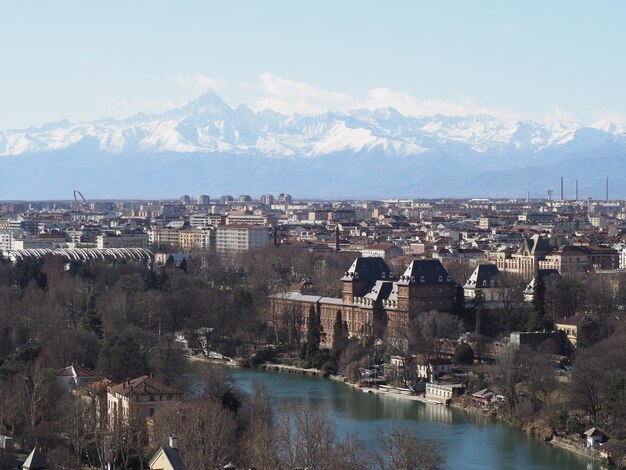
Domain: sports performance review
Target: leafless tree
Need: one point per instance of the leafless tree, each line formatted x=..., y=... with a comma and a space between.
x=403, y=449
x=305, y=437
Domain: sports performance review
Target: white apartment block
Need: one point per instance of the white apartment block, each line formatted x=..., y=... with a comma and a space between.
x=8, y=237
x=232, y=238
x=122, y=240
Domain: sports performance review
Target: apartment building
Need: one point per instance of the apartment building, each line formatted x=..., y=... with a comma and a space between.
x=143, y=395
x=232, y=238
x=122, y=240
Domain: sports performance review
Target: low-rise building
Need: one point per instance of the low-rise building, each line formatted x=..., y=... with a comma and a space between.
x=144, y=396
x=443, y=392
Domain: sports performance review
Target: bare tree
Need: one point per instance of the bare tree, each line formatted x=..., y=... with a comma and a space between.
x=78, y=424
x=306, y=437
x=403, y=449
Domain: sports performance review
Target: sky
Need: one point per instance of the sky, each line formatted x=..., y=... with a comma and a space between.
x=542, y=60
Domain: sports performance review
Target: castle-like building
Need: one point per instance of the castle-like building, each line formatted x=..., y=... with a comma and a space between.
x=374, y=301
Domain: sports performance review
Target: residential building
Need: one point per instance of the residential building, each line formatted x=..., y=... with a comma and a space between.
x=526, y=260
x=143, y=395
x=486, y=280
x=385, y=251
x=443, y=392
x=234, y=238
x=122, y=240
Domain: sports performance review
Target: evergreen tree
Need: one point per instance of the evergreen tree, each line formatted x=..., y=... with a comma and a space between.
x=313, y=332
x=340, y=334
x=459, y=302
x=479, y=309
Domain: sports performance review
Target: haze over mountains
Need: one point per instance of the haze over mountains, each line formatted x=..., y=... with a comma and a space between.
x=208, y=147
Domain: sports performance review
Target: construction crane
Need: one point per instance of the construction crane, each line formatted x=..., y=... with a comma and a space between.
x=79, y=205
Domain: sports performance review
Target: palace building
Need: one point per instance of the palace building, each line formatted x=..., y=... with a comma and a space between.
x=374, y=301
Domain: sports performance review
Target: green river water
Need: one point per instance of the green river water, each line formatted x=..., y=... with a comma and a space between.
x=469, y=441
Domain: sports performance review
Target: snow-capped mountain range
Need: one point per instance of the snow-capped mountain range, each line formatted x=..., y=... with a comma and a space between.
x=209, y=146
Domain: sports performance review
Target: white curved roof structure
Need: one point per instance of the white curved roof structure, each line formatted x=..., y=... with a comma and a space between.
x=80, y=254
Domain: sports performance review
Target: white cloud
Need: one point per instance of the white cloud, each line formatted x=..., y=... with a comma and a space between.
x=290, y=96
x=558, y=115
x=198, y=80
x=408, y=105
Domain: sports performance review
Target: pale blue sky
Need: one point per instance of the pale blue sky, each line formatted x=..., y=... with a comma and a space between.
x=542, y=60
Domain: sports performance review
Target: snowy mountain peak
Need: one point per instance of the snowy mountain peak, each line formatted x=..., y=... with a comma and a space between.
x=209, y=125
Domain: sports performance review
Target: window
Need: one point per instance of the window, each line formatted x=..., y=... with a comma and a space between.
x=151, y=397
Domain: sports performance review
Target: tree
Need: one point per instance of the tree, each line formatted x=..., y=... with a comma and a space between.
x=78, y=425
x=599, y=384
x=431, y=331
x=464, y=354
x=590, y=331
x=260, y=441
x=340, y=334
x=403, y=449
x=314, y=332
x=508, y=374
x=538, y=375
x=306, y=437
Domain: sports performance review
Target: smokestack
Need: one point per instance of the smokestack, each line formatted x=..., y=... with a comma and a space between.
x=561, y=188
x=173, y=441
x=337, y=239
x=577, y=190
x=606, y=190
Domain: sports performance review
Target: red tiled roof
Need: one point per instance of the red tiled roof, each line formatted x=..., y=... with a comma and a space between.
x=144, y=385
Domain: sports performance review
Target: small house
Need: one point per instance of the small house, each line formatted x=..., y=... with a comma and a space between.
x=35, y=461
x=74, y=377
x=168, y=457
x=594, y=436
x=483, y=397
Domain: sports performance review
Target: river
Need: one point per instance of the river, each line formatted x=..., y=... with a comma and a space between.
x=469, y=441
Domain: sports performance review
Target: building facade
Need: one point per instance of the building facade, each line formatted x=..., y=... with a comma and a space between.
x=374, y=301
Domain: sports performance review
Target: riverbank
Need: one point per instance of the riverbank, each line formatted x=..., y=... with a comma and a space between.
x=461, y=405
x=469, y=442
x=541, y=433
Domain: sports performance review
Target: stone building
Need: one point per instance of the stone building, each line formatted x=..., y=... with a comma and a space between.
x=374, y=301
x=144, y=396
x=526, y=260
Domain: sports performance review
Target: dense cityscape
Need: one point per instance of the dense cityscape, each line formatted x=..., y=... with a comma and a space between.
x=510, y=308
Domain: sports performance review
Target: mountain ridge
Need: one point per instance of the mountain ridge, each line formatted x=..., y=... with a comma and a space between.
x=442, y=154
